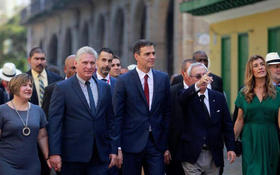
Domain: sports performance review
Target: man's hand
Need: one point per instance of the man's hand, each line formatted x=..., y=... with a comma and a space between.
x=119, y=158
x=231, y=156
x=167, y=157
x=113, y=158
x=55, y=161
x=204, y=80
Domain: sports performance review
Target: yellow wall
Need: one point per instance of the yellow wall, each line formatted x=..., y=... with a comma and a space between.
x=256, y=26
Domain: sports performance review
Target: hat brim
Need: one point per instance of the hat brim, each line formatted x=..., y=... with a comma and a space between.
x=3, y=77
x=273, y=63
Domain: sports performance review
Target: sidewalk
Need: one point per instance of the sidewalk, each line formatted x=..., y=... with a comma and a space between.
x=234, y=168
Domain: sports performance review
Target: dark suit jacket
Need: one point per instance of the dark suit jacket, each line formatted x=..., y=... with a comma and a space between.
x=133, y=115
x=200, y=129
x=216, y=85
x=74, y=130
x=52, y=77
x=176, y=118
x=47, y=98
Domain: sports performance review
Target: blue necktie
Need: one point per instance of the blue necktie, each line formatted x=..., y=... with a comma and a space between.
x=91, y=100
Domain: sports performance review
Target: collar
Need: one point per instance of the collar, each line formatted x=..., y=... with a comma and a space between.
x=185, y=85
x=99, y=77
x=142, y=74
x=35, y=74
x=83, y=81
x=205, y=93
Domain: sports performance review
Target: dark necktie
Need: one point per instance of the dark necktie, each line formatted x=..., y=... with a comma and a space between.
x=91, y=99
x=201, y=97
x=146, y=88
x=103, y=79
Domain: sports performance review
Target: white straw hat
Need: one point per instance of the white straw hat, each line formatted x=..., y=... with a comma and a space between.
x=9, y=71
x=272, y=58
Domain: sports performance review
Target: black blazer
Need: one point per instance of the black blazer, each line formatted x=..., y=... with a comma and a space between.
x=216, y=85
x=200, y=129
x=52, y=77
x=176, y=118
x=47, y=98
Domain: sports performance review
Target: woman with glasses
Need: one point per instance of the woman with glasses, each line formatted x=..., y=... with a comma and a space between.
x=22, y=126
x=258, y=120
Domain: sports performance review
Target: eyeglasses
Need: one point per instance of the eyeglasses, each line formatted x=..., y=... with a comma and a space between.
x=118, y=65
x=198, y=76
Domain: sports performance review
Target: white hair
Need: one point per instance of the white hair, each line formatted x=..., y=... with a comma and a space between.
x=86, y=49
x=196, y=65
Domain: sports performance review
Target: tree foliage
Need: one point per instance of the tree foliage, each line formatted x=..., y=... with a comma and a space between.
x=15, y=49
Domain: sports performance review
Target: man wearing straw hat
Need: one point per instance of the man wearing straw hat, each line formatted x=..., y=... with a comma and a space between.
x=7, y=72
x=273, y=61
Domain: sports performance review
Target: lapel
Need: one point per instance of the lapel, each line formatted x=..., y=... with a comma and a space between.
x=139, y=86
x=156, y=84
x=100, y=94
x=77, y=88
x=212, y=103
x=34, y=97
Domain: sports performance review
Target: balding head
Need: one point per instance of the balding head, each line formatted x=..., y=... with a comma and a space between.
x=69, y=67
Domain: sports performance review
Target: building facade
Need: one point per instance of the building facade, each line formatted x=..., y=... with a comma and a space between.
x=237, y=31
x=60, y=27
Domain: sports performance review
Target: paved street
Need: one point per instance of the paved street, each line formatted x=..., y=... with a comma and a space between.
x=232, y=169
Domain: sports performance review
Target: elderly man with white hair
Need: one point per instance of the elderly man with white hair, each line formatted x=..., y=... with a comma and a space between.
x=7, y=72
x=273, y=61
x=207, y=125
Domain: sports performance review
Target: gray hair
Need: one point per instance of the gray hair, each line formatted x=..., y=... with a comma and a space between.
x=86, y=49
x=196, y=65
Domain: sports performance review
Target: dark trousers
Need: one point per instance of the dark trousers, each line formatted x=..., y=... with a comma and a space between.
x=150, y=158
x=174, y=168
x=44, y=166
x=94, y=167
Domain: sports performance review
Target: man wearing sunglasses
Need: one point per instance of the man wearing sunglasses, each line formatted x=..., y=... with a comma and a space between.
x=207, y=124
x=116, y=67
x=217, y=83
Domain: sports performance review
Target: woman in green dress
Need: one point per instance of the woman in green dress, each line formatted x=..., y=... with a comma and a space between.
x=258, y=119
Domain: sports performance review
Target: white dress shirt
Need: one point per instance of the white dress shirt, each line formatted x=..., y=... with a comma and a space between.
x=141, y=75
x=93, y=87
x=206, y=99
x=99, y=77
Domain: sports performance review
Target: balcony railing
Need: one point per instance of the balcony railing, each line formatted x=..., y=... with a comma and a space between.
x=39, y=7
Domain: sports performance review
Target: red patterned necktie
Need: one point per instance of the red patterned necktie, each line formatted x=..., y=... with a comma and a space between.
x=146, y=88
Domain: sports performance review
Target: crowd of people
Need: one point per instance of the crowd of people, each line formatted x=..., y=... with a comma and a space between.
x=102, y=119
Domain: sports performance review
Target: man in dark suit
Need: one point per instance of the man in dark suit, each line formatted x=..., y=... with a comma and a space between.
x=141, y=105
x=207, y=124
x=81, y=121
x=174, y=167
x=104, y=64
x=41, y=76
x=69, y=70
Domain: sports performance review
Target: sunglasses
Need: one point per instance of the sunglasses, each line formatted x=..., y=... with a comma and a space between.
x=198, y=76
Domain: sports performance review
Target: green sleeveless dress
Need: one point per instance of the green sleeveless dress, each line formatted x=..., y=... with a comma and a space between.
x=259, y=135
